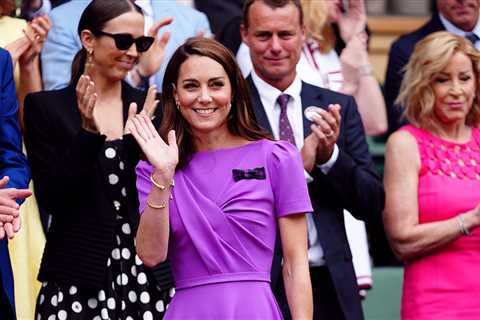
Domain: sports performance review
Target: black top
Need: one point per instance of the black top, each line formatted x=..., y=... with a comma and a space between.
x=69, y=182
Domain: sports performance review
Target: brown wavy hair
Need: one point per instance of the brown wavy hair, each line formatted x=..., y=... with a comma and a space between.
x=241, y=120
x=431, y=56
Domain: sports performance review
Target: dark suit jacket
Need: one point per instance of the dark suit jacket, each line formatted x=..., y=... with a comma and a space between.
x=219, y=12
x=398, y=57
x=13, y=163
x=351, y=184
x=69, y=183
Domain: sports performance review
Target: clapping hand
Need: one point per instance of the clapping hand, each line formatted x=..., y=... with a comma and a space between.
x=9, y=208
x=326, y=127
x=149, y=107
x=36, y=32
x=86, y=99
x=17, y=48
x=151, y=60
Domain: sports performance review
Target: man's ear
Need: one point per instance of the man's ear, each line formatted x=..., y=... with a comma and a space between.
x=88, y=39
x=304, y=33
x=244, y=33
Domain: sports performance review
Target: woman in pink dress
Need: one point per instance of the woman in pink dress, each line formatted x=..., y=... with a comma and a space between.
x=232, y=188
x=432, y=181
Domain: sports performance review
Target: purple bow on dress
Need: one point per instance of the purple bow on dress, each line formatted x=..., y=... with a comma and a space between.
x=255, y=173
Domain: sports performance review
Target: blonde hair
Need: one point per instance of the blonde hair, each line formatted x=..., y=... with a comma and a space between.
x=316, y=20
x=430, y=56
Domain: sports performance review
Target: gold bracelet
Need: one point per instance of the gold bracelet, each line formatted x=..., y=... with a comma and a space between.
x=160, y=186
x=162, y=205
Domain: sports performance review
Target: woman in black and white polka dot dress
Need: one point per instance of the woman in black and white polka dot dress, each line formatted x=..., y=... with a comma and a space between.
x=127, y=293
x=83, y=166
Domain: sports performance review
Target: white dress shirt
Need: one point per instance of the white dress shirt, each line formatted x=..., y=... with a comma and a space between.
x=450, y=27
x=268, y=96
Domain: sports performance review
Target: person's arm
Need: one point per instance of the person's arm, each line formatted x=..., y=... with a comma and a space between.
x=154, y=228
x=409, y=238
x=285, y=167
x=29, y=61
x=13, y=162
x=14, y=170
x=60, y=47
x=296, y=275
x=61, y=164
x=360, y=82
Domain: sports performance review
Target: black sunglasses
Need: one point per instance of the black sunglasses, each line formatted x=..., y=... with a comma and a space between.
x=123, y=41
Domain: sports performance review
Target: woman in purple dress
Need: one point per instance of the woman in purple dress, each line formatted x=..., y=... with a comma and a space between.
x=233, y=186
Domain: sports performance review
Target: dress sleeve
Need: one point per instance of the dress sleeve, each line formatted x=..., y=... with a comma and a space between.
x=144, y=185
x=285, y=168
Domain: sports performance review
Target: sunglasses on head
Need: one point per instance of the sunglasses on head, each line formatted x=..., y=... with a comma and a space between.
x=123, y=41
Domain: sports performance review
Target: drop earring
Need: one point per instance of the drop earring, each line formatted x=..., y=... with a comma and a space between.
x=89, y=63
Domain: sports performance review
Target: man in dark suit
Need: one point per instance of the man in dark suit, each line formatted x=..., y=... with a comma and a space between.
x=338, y=166
x=13, y=165
x=457, y=16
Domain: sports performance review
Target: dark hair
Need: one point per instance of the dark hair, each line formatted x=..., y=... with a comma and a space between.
x=274, y=4
x=94, y=17
x=241, y=120
x=7, y=7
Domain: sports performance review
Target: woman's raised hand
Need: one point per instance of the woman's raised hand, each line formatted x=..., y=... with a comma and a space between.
x=162, y=155
x=354, y=21
x=86, y=99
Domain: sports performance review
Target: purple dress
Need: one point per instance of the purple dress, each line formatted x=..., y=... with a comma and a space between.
x=223, y=227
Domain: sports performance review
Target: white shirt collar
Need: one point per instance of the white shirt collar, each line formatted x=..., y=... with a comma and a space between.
x=450, y=27
x=269, y=94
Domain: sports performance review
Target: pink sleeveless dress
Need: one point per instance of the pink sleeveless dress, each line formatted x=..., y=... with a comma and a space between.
x=445, y=285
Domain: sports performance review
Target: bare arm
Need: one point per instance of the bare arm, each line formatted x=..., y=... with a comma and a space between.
x=407, y=236
x=154, y=228
x=361, y=83
x=29, y=61
x=296, y=275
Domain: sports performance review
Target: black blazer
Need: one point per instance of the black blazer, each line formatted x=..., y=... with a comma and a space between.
x=69, y=183
x=398, y=57
x=352, y=183
x=219, y=12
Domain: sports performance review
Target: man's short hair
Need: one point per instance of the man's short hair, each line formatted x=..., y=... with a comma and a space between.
x=272, y=4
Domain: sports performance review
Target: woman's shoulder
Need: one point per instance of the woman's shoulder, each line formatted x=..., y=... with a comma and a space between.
x=275, y=146
x=402, y=147
x=280, y=151
x=57, y=93
x=50, y=102
x=405, y=137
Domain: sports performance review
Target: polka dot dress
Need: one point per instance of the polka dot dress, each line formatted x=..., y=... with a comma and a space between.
x=128, y=292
